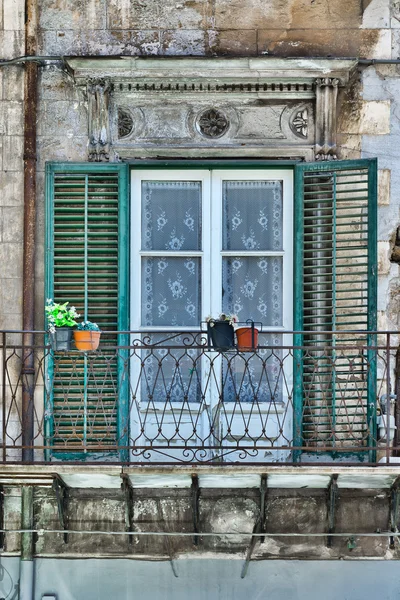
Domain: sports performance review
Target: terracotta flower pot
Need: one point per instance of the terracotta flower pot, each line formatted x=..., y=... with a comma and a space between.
x=87, y=340
x=247, y=338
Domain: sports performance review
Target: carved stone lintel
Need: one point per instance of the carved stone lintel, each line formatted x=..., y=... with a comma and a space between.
x=99, y=121
x=326, y=90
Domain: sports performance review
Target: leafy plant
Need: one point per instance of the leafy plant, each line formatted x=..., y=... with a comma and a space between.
x=60, y=315
x=88, y=326
x=232, y=319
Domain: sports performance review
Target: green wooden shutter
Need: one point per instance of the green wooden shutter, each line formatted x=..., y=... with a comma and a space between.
x=87, y=265
x=335, y=290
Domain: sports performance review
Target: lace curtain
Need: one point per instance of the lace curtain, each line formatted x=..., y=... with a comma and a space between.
x=171, y=222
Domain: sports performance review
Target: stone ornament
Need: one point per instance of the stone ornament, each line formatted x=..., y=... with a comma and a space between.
x=212, y=123
x=326, y=92
x=98, y=91
x=125, y=123
x=299, y=123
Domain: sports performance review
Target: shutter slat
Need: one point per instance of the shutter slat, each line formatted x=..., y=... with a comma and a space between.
x=335, y=279
x=91, y=419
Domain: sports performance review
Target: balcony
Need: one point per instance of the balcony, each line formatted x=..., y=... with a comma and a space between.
x=169, y=398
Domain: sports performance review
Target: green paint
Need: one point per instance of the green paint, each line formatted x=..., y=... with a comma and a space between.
x=87, y=264
x=328, y=198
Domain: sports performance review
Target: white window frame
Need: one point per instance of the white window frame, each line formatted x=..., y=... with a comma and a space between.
x=212, y=218
x=211, y=284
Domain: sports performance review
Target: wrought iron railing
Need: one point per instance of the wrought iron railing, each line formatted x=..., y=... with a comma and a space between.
x=152, y=397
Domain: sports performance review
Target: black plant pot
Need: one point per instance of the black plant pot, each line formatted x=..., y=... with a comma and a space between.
x=221, y=335
x=61, y=339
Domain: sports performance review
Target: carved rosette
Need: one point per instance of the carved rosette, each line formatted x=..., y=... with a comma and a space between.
x=125, y=123
x=299, y=123
x=212, y=123
x=326, y=91
x=98, y=91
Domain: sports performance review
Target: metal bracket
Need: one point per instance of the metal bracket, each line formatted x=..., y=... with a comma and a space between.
x=259, y=526
x=394, y=510
x=128, y=490
x=62, y=494
x=195, y=507
x=332, y=496
x=166, y=538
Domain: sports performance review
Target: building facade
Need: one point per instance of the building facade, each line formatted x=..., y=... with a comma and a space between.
x=162, y=162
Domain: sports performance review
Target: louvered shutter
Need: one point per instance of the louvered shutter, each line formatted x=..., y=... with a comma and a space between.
x=335, y=290
x=87, y=265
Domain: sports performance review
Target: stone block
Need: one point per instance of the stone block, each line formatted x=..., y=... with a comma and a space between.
x=384, y=186
x=14, y=14
x=133, y=14
x=348, y=146
x=373, y=118
x=141, y=42
x=183, y=14
x=11, y=296
x=11, y=189
x=383, y=258
x=252, y=14
x=68, y=117
x=233, y=43
x=183, y=43
x=308, y=42
x=376, y=14
x=324, y=15
x=11, y=260
x=11, y=44
x=13, y=118
x=13, y=224
x=60, y=148
x=376, y=43
x=80, y=14
x=56, y=85
x=13, y=147
x=13, y=83
x=395, y=14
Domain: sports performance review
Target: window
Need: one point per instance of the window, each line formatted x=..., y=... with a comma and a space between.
x=206, y=239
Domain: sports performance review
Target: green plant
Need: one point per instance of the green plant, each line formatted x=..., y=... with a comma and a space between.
x=60, y=315
x=88, y=326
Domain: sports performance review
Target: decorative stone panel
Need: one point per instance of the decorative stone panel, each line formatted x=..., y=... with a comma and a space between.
x=212, y=107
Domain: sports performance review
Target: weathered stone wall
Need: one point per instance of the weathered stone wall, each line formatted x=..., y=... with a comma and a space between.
x=11, y=164
x=368, y=124
x=220, y=511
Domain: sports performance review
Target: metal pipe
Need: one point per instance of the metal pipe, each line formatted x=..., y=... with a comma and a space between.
x=28, y=309
x=249, y=534
x=26, y=583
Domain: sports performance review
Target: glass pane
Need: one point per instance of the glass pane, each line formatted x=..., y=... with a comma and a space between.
x=171, y=373
x=252, y=288
x=255, y=377
x=252, y=215
x=171, y=291
x=171, y=215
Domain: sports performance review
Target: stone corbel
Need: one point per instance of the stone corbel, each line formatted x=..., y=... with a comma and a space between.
x=326, y=91
x=99, y=121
